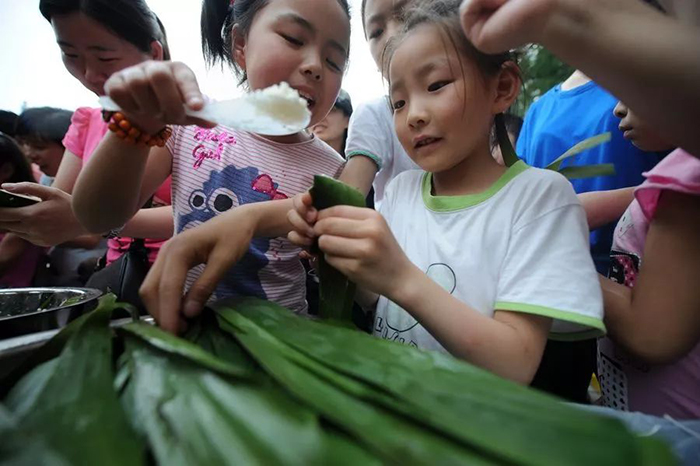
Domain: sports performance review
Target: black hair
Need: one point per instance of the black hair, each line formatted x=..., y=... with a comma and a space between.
x=445, y=15
x=217, y=21
x=45, y=124
x=344, y=103
x=12, y=154
x=8, y=121
x=131, y=20
x=513, y=124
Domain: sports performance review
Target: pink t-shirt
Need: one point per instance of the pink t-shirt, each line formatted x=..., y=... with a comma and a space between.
x=215, y=170
x=84, y=134
x=628, y=384
x=22, y=274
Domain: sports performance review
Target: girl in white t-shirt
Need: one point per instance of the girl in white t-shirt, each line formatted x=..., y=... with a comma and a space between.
x=467, y=256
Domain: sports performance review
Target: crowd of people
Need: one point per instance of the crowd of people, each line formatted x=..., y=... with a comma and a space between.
x=555, y=283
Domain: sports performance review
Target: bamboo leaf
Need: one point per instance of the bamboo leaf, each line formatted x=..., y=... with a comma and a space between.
x=192, y=416
x=336, y=292
x=73, y=408
x=575, y=172
x=440, y=392
x=582, y=146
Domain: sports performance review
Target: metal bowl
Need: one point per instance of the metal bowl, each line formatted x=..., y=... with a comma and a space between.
x=31, y=310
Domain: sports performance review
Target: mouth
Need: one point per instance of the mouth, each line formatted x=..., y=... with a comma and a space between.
x=425, y=141
x=310, y=101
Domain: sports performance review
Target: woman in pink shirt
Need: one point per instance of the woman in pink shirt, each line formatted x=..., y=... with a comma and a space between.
x=95, y=40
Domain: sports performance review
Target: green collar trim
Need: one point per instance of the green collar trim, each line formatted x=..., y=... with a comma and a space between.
x=455, y=203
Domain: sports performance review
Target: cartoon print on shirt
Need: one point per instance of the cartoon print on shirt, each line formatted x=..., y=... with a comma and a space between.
x=398, y=321
x=226, y=189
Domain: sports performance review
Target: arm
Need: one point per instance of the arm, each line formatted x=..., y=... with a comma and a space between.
x=11, y=249
x=510, y=344
x=68, y=172
x=153, y=223
x=610, y=42
x=659, y=319
x=121, y=176
x=359, y=173
x=358, y=242
x=117, y=181
x=603, y=207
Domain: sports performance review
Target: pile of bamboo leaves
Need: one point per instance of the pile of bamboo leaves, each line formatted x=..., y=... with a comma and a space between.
x=251, y=383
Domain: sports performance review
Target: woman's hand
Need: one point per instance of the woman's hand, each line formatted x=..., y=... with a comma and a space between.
x=498, y=25
x=156, y=93
x=46, y=223
x=358, y=242
x=218, y=243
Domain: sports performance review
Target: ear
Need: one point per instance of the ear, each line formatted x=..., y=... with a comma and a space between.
x=238, y=46
x=507, y=87
x=157, y=51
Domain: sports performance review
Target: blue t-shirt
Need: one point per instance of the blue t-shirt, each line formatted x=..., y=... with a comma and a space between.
x=561, y=119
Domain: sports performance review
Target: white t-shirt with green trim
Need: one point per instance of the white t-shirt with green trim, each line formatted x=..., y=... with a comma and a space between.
x=371, y=134
x=521, y=246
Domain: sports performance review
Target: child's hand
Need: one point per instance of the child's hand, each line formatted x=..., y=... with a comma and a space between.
x=156, y=93
x=302, y=217
x=217, y=244
x=495, y=26
x=357, y=241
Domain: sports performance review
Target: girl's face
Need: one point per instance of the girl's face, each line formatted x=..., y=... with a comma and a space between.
x=304, y=43
x=443, y=106
x=332, y=128
x=47, y=155
x=91, y=53
x=637, y=131
x=382, y=22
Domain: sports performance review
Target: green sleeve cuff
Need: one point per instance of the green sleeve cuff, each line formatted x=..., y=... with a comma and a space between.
x=596, y=326
x=369, y=155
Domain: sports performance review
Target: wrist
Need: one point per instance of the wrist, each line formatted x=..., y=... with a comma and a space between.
x=404, y=286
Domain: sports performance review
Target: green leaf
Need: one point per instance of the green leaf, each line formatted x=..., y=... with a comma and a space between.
x=336, y=292
x=506, y=420
x=69, y=404
x=582, y=146
x=507, y=150
x=387, y=434
x=192, y=416
x=575, y=172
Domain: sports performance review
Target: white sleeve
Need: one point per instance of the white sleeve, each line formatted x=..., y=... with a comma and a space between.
x=370, y=134
x=548, y=271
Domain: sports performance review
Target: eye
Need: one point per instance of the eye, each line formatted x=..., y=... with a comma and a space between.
x=222, y=200
x=198, y=200
x=436, y=86
x=107, y=60
x=375, y=34
x=69, y=55
x=334, y=66
x=292, y=40
x=398, y=105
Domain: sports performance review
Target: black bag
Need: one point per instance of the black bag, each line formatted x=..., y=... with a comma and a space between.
x=124, y=276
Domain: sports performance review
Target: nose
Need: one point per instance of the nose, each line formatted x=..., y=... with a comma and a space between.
x=94, y=76
x=620, y=110
x=418, y=116
x=312, y=67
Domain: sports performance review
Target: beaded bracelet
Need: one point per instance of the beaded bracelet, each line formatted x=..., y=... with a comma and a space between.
x=123, y=128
